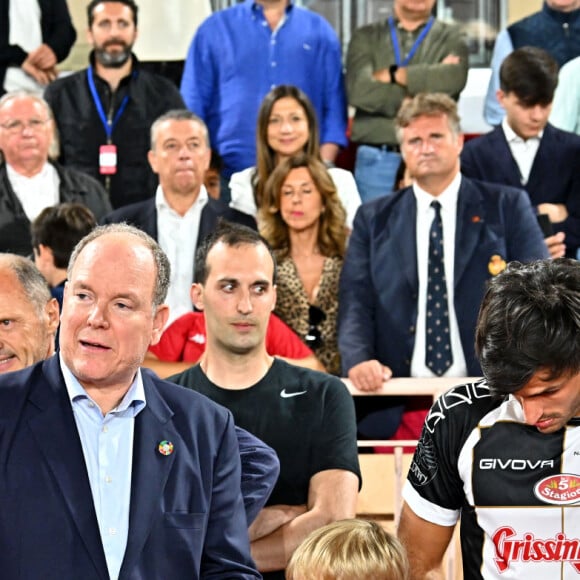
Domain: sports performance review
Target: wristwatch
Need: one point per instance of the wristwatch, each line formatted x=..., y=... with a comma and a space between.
x=392, y=70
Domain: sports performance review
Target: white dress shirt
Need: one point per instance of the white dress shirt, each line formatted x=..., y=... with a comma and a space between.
x=425, y=215
x=177, y=235
x=37, y=192
x=523, y=151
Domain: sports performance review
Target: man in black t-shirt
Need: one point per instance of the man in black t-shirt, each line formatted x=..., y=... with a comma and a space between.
x=306, y=416
x=503, y=454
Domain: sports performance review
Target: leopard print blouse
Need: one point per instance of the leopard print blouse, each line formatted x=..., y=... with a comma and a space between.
x=292, y=307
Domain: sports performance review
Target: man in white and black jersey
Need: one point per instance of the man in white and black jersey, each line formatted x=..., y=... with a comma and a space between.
x=504, y=453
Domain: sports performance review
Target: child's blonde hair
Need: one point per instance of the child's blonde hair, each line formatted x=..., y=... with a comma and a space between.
x=349, y=550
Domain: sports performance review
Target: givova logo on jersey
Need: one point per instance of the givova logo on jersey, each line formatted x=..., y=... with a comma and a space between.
x=530, y=549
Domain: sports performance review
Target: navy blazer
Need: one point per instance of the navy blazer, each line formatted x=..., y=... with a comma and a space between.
x=186, y=516
x=144, y=216
x=379, y=283
x=554, y=178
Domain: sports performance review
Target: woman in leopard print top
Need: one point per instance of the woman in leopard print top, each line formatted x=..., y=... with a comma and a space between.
x=304, y=221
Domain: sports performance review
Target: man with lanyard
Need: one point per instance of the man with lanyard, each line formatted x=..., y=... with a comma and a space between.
x=104, y=113
x=411, y=52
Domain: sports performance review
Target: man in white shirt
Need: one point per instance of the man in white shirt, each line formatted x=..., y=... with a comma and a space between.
x=29, y=180
x=386, y=298
x=527, y=151
x=181, y=214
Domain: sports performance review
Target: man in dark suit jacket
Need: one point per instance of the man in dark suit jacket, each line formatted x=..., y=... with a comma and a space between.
x=110, y=472
x=383, y=322
x=525, y=150
x=181, y=214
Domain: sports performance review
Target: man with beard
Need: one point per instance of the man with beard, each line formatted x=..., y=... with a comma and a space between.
x=104, y=112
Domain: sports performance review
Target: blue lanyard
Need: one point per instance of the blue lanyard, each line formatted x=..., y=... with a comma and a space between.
x=415, y=46
x=107, y=124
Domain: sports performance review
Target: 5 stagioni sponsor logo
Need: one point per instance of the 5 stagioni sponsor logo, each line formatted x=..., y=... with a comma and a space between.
x=561, y=489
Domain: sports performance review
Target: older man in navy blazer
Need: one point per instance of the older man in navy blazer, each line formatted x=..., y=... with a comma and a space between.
x=108, y=472
x=384, y=312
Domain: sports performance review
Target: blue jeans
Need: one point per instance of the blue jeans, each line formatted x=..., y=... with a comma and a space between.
x=374, y=171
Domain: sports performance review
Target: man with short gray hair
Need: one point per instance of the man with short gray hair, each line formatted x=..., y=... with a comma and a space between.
x=418, y=260
x=181, y=214
x=28, y=314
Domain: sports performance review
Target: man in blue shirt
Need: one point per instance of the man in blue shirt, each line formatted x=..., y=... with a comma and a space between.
x=238, y=55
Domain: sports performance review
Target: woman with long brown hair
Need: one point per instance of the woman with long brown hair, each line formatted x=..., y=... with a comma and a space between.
x=287, y=126
x=303, y=219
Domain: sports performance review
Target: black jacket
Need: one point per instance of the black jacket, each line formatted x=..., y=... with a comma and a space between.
x=74, y=187
x=82, y=133
x=57, y=32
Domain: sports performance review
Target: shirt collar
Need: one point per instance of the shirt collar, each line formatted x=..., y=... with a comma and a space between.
x=13, y=174
x=133, y=402
x=512, y=137
x=560, y=16
x=447, y=199
x=162, y=205
x=253, y=5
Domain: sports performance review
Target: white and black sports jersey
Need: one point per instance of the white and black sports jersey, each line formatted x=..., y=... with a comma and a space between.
x=516, y=490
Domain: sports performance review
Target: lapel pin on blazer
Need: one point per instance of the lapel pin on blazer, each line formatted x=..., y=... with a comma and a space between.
x=165, y=447
x=496, y=265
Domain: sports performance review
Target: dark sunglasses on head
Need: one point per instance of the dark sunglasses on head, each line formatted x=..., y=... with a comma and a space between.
x=316, y=316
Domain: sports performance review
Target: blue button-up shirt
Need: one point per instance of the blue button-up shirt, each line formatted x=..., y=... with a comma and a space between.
x=107, y=443
x=235, y=59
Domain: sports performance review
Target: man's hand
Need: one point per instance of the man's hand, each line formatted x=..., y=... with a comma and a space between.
x=556, y=245
x=369, y=375
x=383, y=75
x=273, y=517
x=557, y=212
x=43, y=57
x=40, y=76
x=451, y=59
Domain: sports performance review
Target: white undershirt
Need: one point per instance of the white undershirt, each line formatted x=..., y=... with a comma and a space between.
x=37, y=192
x=177, y=235
x=24, y=17
x=425, y=215
x=523, y=151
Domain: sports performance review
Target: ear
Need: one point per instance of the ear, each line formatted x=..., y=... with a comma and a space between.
x=196, y=294
x=152, y=158
x=52, y=312
x=45, y=255
x=159, y=321
x=90, y=38
x=500, y=96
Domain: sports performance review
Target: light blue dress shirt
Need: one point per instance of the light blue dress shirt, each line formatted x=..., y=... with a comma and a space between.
x=492, y=110
x=107, y=443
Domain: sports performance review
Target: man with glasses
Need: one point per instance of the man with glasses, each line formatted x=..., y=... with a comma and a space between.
x=307, y=417
x=181, y=213
x=29, y=180
x=418, y=260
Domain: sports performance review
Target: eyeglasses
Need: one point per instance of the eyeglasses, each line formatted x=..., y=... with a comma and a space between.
x=17, y=126
x=316, y=316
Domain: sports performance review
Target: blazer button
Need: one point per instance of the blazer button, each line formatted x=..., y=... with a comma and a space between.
x=411, y=329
